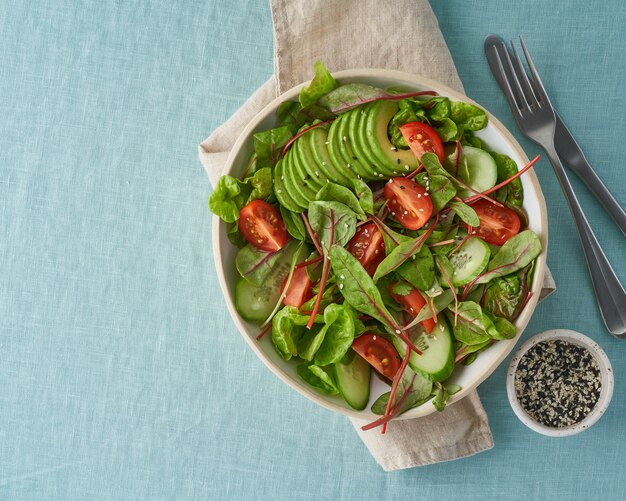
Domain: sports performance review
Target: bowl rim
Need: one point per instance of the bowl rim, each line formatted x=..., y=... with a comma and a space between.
x=540, y=264
x=606, y=392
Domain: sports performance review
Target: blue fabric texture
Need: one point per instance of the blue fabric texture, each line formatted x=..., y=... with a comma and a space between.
x=121, y=373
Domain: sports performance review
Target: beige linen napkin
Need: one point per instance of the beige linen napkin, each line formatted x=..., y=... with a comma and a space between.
x=402, y=35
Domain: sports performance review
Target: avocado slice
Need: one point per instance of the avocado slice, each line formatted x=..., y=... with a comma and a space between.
x=318, y=176
x=357, y=145
x=327, y=152
x=299, y=189
x=320, y=142
x=382, y=172
x=353, y=149
x=389, y=157
x=281, y=191
x=293, y=186
x=305, y=165
x=336, y=148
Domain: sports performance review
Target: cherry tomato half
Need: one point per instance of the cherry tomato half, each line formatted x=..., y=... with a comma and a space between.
x=408, y=202
x=413, y=303
x=262, y=226
x=368, y=246
x=422, y=138
x=379, y=353
x=299, y=291
x=497, y=224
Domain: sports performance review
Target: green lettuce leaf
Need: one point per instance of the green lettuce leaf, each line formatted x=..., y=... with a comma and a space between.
x=322, y=83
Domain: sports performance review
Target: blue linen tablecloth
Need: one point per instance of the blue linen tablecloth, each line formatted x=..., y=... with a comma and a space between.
x=121, y=373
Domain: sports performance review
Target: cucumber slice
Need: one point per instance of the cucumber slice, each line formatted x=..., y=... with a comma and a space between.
x=353, y=381
x=480, y=171
x=469, y=261
x=255, y=304
x=437, y=361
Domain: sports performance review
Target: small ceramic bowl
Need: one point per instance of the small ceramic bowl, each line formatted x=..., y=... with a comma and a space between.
x=606, y=373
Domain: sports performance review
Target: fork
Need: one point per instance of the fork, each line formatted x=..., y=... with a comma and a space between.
x=536, y=118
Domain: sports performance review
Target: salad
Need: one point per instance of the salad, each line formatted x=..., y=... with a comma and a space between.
x=378, y=235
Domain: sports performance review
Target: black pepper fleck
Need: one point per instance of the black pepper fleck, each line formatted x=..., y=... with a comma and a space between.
x=558, y=383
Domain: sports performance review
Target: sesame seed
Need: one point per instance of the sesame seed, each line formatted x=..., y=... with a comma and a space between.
x=342, y=277
x=340, y=286
x=406, y=167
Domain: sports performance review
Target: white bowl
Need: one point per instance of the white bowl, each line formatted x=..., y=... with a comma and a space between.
x=606, y=391
x=495, y=135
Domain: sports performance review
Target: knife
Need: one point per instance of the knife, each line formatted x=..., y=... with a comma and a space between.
x=566, y=146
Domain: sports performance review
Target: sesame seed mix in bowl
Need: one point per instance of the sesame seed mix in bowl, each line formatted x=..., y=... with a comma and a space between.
x=558, y=383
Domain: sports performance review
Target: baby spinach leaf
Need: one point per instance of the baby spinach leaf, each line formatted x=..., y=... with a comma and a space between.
x=288, y=328
x=504, y=296
x=364, y=194
x=391, y=238
x=268, y=145
x=419, y=392
x=334, y=218
x=465, y=212
x=346, y=97
x=419, y=272
x=447, y=130
x=404, y=115
x=357, y=287
x=228, y=197
x=402, y=288
x=310, y=342
x=440, y=303
x=339, y=334
x=442, y=394
x=295, y=225
x=512, y=193
x=235, y=236
x=470, y=327
x=502, y=328
x=515, y=254
x=440, y=188
x=332, y=192
x=318, y=378
x=261, y=183
x=439, y=109
x=467, y=116
x=322, y=83
x=287, y=113
x=400, y=254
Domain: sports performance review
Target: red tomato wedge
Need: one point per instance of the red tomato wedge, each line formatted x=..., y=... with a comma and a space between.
x=422, y=138
x=262, y=226
x=413, y=303
x=368, y=246
x=379, y=353
x=497, y=224
x=299, y=291
x=408, y=202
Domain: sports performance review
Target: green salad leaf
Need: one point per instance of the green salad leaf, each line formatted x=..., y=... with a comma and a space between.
x=317, y=377
x=322, y=83
x=228, y=197
x=294, y=224
x=268, y=145
x=465, y=213
x=419, y=272
x=511, y=194
x=419, y=391
x=332, y=192
x=516, y=253
x=332, y=218
x=339, y=331
x=364, y=194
